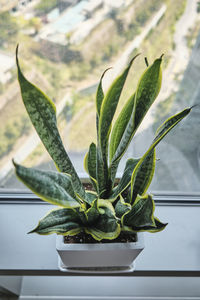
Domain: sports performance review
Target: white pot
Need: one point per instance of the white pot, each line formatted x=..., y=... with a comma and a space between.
x=104, y=256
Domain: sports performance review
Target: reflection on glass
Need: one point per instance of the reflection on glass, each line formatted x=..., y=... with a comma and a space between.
x=65, y=46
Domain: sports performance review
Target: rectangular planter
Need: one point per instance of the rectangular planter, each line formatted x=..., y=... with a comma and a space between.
x=100, y=255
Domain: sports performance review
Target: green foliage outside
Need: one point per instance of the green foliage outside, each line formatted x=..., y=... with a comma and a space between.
x=60, y=76
x=14, y=129
x=119, y=30
x=159, y=40
x=153, y=44
x=9, y=28
x=45, y=6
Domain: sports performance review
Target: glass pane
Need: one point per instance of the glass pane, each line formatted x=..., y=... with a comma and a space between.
x=64, y=47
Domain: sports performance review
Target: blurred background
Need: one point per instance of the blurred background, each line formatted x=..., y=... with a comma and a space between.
x=65, y=45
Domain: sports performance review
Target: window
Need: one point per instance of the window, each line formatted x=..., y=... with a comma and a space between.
x=64, y=48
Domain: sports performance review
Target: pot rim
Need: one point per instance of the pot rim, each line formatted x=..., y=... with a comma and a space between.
x=139, y=244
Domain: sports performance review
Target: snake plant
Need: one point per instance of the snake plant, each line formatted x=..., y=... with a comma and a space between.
x=109, y=208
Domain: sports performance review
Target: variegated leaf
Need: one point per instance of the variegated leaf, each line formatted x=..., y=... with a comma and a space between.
x=144, y=175
x=147, y=91
x=91, y=165
x=126, y=178
x=61, y=221
x=42, y=113
x=159, y=226
x=100, y=93
x=53, y=187
x=92, y=213
x=121, y=207
x=141, y=213
x=103, y=182
x=106, y=226
x=90, y=196
x=160, y=134
x=169, y=124
x=120, y=125
x=108, y=108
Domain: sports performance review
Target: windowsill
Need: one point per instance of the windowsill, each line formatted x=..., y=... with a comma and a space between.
x=173, y=252
x=19, y=196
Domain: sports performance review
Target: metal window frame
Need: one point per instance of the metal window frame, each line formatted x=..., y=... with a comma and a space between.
x=166, y=197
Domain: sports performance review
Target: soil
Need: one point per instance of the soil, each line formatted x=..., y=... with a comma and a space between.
x=83, y=238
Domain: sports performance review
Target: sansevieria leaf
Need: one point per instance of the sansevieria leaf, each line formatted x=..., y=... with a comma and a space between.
x=53, y=187
x=103, y=182
x=141, y=213
x=160, y=134
x=144, y=175
x=120, y=125
x=126, y=178
x=90, y=164
x=101, y=161
x=109, y=105
x=93, y=213
x=100, y=94
x=106, y=114
x=42, y=113
x=159, y=226
x=61, y=221
x=122, y=207
x=135, y=110
x=105, y=227
x=90, y=196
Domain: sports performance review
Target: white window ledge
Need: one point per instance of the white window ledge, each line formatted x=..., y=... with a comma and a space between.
x=172, y=252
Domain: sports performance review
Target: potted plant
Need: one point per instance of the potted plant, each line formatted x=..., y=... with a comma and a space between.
x=100, y=226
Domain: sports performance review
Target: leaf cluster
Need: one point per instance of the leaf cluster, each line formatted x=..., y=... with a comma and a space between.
x=110, y=208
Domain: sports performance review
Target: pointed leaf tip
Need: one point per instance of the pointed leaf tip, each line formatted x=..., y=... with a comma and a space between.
x=14, y=163
x=105, y=72
x=17, y=50
x=132, y=60
x=17, y=63
x=146, y=61
x=161, y=56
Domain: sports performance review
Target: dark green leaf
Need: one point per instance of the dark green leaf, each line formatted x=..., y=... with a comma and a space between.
x=92, y=213
x=141, y=213
x=103, y=182
x=159, y=226
x=121, y=207
x=42, y=113
x=147, y=91
x=90, y=164
x=106, y=227
x=100, y=93
x=160, y=134
x=50, y=186
x=126, y=178
x=92, y=161
x=61, y=221
x=120, y=125
x=169, y=124
x=108, y=109
x=144, y=175
x=90, y=196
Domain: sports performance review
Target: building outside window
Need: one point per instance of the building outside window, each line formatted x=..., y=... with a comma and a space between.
x=64, y=47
